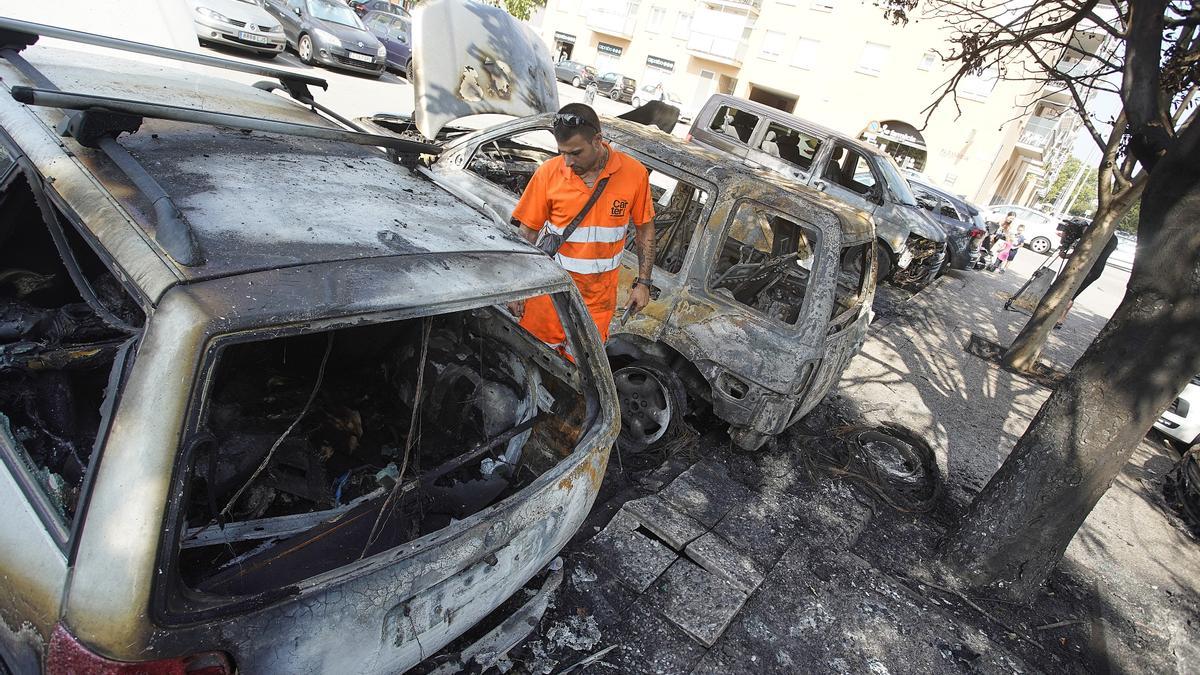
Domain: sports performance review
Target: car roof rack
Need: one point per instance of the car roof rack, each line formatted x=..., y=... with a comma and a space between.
x=17, y=35
x=101, y=119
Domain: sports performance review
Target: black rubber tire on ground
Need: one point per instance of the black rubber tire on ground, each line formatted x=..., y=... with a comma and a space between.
x=1040, y=245
x=576, y=82
x=408, y=71
x=304, y=46
x=653, y=402
x=883, y=262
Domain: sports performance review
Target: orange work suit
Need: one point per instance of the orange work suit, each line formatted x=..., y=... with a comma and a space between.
x=592, y=255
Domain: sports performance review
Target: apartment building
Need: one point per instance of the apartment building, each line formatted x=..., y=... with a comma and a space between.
x=838, y=63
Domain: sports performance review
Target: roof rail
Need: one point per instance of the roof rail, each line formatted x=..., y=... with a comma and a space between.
x=75, y=101
x=16, y=35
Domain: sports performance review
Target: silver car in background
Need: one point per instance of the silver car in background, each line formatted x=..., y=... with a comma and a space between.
x=241, y=24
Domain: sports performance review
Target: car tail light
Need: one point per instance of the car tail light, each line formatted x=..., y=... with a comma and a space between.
x=976, y=232
x=69, y=655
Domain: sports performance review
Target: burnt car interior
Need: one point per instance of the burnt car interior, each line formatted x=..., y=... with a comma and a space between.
x=312, y=451
x=678, y=210
x=853, y=269
x=510, y=161
x=65, y=324
x=765, y=262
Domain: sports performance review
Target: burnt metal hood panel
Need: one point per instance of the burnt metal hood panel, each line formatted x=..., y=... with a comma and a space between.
x=472, y=59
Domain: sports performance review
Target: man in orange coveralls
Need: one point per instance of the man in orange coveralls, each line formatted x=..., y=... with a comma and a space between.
x=557, y=193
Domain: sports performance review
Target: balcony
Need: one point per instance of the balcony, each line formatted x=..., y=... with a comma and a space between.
x=730, y=51
x=612, y=22
x=1036, y=136
x=748, y=6
x=1056, y=92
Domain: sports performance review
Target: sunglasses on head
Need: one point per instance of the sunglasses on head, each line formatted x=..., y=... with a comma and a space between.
x=571, y=120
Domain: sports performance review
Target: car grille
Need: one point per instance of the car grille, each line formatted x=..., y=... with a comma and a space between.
x=239, y=24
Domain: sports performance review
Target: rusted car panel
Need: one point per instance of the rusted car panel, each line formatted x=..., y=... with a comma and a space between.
x=193, y=350
x=470, y=59
x=759, y=374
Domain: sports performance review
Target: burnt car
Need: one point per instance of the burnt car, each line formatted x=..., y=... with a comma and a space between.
x=912, y=248
x=239, y=436
x=962, y=221
x=762, y=288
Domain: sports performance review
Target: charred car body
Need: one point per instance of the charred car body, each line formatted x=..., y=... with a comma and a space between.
x=762, y=287
x=237, y=437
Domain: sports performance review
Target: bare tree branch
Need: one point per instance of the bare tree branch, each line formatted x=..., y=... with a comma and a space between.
x=1141, y=84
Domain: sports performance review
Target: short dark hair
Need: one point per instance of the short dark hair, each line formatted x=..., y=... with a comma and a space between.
x=589, y=128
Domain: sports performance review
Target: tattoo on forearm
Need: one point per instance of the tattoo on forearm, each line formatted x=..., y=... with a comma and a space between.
x=645, y=250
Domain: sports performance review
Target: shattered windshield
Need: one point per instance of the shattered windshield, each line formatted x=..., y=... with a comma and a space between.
x=335, y=12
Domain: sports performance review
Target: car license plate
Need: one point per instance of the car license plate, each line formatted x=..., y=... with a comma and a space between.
x=361, y=57
x=905, y=259
x=253, y=38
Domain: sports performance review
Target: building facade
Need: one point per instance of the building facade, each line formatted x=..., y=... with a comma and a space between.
x=838, y=63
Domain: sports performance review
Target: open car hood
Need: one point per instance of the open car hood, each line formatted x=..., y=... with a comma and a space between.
x=470, y=59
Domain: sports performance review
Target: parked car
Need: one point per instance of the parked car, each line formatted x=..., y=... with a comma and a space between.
x=616, y=86
x=394, y=31
x=240, y=24
x=1041, y=230
x=362, y=7
x=912, y=247
x=330, y=33
x=654, y=92
x=961, y=220
x=241, y=431
x=1181, y=420
x=762, y=287
x=574, y=72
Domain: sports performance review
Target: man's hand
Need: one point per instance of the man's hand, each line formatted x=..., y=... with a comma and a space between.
x=517, y=307
x=639, y=297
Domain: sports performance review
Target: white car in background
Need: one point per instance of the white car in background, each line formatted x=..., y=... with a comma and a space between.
x=1181, y=420
x=242, y=24
x=1041, y=230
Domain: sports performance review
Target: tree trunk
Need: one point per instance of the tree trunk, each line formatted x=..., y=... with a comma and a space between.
x=1023, y=354
x=1017, y=529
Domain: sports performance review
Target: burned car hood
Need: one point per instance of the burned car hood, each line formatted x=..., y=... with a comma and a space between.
x=919, y=223
x=472, y=59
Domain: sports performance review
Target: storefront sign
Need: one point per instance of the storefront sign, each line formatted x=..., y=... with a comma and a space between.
x=662, y=64
x=612, y=50
x=565, y=38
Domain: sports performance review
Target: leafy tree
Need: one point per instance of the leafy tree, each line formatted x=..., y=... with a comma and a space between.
x=1019, y=525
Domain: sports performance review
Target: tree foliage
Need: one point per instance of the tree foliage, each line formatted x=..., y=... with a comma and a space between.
x=522, y=9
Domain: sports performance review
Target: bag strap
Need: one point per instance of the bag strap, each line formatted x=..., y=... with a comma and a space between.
x=570, y=229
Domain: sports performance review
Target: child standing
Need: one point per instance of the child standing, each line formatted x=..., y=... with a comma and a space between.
x=1015, y=242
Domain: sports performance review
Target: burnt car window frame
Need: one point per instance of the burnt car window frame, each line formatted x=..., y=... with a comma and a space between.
x=173, y=602
x=818, y=244
x=702, y=224
x=839, y=321
x=66, y=532
x=503, y=135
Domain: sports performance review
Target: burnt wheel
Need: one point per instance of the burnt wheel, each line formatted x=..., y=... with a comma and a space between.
x=652, y=401
x=883, y=263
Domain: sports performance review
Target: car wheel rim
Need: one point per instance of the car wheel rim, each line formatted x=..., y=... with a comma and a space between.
x=1040, y=245
x=575, y=82
x=305, y=48
x=645, y=405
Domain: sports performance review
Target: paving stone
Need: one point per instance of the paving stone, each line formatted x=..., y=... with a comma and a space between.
x=820, y=610
x=668, y=523
x=591, y=589
x=698, y=601
x=763, y=528
x=705, y=493
x=631, y=556
x=717, y=556
x=648, y=643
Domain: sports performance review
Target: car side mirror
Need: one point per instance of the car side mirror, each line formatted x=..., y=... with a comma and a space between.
x=297, y=11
